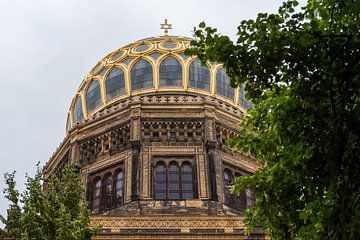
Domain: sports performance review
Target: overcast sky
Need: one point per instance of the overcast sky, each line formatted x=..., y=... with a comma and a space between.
x=48, y=46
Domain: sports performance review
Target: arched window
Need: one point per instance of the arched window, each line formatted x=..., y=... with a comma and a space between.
x=170, y=72
x=160, y=181
x=228, y=181
x=78, y=115
x=96, y=195
x=239, y=200
x=108, y=191
x=120, y=188
x=174, y=181
x=141, y=75
x=242, y=99
x=93, y=97
x=199, y=76
x=187, y=181
x=115, y=83
x=223, y=84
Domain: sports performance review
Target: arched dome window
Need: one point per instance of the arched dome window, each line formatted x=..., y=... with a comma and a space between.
x=160, y=181
x=199, y=76
x=120, y=188
x=187, y=181
x=78, y=114
x=222, y=84
x=96, y=196
x=141, y=75
x=170, y=72
x=242, y=99
x=93, y=97
x=115, y=83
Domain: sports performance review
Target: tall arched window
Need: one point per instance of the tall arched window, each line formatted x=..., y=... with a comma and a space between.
x=199, y=76
x=170, y=72
x=223, y=84
x=96, y=196
x=239, y=200
x=115, y=83
x=108, y=191
x=141, y=75
x=174, y=181
x=78, y=114
x=160, y=181
x=187, y=181
x=120, y=188
x=93, y=97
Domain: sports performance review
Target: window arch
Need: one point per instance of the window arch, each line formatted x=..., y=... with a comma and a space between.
x=115, y=83
x=93, y=96
x=96, y=196
x=78, y=114
x=108, y=191
x=119, y=198
x=223, y=84
x=187, y=181
x=141, y=75
x=160, y=181
x=170, y=72
x=199, y=76
x=239, y=201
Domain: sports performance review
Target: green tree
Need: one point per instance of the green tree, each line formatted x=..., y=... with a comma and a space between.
x=57, y=214
x=301, y=69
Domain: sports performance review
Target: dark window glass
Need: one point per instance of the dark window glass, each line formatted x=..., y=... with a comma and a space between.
x=174, y=181
x=96, y=196
x=185, y=57
x=228, y=181
x=93, y=97
x=78, y=115
x=187, y=182
x=223, y=84
x=169, y=45
x=117, y=56
x=120, y=188
x=170, y=71
x=242, y=99
x=127, y=61
x=115, y=83
x=199, y=76
x=142, y=48
x=108, y=191
x=160, y=181
x=250, y=198
x=155, y=55
x=141, y=75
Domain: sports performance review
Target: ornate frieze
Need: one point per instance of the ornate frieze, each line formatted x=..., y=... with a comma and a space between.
x=111, y=142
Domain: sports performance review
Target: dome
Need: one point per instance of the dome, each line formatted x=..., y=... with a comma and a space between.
x=151, y=66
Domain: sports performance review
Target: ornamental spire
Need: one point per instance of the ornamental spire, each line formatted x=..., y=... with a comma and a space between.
x=166, y=27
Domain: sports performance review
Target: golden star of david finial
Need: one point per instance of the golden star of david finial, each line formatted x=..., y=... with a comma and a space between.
x=166, y=27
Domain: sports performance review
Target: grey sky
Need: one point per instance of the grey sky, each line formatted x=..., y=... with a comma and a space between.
x=46, y=47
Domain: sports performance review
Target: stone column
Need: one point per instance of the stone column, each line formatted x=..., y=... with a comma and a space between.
x=135, y=146
x=210, y=149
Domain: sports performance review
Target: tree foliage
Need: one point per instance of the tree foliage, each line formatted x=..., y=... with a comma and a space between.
x=301, y=67
x=60, y=213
